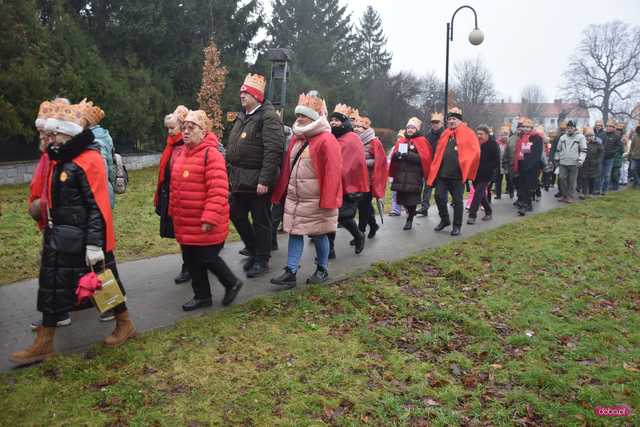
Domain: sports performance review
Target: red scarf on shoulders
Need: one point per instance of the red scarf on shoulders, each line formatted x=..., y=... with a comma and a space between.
x=424, y=151
x=468, y=153
x=380, y=169
x=38, y=188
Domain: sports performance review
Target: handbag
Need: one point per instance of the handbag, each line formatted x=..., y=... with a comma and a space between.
x=110, y=295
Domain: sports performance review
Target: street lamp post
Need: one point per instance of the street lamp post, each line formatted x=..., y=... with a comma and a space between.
x=475, y=38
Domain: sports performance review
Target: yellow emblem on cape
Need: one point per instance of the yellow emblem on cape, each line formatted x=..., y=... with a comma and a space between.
x=185, y=173
x=63, y=176
x=243, y=135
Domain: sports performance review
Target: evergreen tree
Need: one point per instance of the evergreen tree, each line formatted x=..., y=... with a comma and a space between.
x=373, y=58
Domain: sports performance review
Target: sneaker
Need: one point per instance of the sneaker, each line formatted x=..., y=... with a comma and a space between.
x=107, y=316
x=471, y=220
x=183, y=277
x=321, y=275
x=63, y=322
x=259, y=268
x=487, y=217
x=286, y=279
x=394, y=213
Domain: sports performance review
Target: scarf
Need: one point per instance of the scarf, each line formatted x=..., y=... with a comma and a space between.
x=313, y=128
x=367, y=135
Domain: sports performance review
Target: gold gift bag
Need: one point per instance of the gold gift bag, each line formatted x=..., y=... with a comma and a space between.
x=110, y=295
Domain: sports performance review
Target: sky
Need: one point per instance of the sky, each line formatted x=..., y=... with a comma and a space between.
x=526, y=41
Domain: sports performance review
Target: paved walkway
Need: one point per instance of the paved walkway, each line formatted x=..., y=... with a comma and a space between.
x=155, y=301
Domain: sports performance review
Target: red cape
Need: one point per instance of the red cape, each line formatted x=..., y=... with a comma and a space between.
x=92, y=164
x=468, y=153
x=380, y=169
x=355, y=176
x=37, y=188
x=172, y=140
x=424, y=151
x=324, y=151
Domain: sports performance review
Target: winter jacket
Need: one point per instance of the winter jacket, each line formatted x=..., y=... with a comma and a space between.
x=634, y=150
x=199, y=194
x=531, y=155
x=612, y=145
x=571, y=150
x=433, y=138
x=489, y=160
x=255, y=148
x=102, y=140
x=509, y=153
x=302, y=212
x=593, y=160
x=77, y=222
x=164, y=189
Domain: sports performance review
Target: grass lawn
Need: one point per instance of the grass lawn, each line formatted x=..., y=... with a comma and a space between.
x=136, y=224
x=535, y=323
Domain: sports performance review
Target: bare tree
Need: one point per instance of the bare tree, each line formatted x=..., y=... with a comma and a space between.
x=532, y=99
x=431, y=95
x=473, y=88
x=604, y=71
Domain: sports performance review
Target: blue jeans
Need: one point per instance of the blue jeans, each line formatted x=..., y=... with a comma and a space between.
x=635, y=169
x=605, y=177
x=296, y=246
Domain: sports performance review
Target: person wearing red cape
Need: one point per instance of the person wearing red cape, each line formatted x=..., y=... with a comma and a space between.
x=410, y=165
x=173, y=123
x=79, y=232
x=310, y=186
x=456, y=160
x=355, y=176
x=377, y=167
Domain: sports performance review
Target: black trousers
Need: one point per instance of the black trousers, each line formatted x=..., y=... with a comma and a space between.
x=455, y=187
x=527, y=186
x=200, y=260
x=277, y=214
x=256, y=237
x=426, y=196
x=366, y=212
x=480, y=197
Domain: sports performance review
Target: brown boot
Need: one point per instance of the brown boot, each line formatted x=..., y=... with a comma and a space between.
x=123, y=331
x=41, y=349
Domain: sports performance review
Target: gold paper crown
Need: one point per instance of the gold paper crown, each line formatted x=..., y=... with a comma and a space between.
x=526, y=121
x=588, y=131
x=540, y=129
x=180, y=113
x=363, y=121
x=314, y=102
x=437, y=117
x=562, y=124
x=355, y=114
x=73, y=113
x=92, y=113
x=505, y=130
x=599, y=122
x=455, y=110
x=621, y=125
x=611, y=122
x=45, y=110
x=200, y=118
x=255, y=81
x=344, y=109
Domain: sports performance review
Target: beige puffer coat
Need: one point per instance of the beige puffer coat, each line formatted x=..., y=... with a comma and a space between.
x=302, y=212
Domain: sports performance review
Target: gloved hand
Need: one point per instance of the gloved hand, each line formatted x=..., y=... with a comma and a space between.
x=94, y=254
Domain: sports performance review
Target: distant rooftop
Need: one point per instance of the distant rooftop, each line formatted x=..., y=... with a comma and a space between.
x=546, y=109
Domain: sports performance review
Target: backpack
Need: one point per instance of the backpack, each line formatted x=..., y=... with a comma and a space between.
x=121, y=179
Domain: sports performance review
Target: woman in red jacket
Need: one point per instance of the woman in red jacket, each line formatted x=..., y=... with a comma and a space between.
x=199, y=206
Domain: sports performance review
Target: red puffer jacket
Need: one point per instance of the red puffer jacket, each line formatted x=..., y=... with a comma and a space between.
x=200, y=194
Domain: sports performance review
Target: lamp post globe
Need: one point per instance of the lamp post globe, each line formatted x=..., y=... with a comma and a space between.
x=476, y=37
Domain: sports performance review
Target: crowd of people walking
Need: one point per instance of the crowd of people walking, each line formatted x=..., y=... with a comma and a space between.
x=332, y=173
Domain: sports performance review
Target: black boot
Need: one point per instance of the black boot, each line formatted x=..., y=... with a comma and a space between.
x=332, y=253
x=244, y=252
x=409, y=224
x=373, y=229
x=248, y=263
x=286, y=279
x=259, y=268
x=231, y=293
x=184, y=275
x=455, y=231
x=195, y=303
x=443, y=223
x=360, y=240
x=319, y=276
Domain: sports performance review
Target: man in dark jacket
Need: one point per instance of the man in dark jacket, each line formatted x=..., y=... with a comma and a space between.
x=528, y=152
x=612, y=148
x=437, y=127
x=254, y=153
x=489, y=162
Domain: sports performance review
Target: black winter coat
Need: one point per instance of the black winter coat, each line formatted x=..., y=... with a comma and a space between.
x=255, y=149
x=166, y=222
x=532, y=160
x=489, y=161
x=408, y=176
x=433, y=138
x=77, y=222
x=591, y=166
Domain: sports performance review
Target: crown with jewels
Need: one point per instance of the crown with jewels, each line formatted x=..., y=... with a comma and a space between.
x=92, y=113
